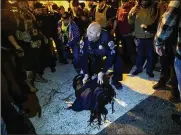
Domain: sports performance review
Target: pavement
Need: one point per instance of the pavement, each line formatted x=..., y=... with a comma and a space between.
x=138, y=108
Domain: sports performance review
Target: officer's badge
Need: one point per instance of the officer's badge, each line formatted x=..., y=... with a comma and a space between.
x=111, y=46
x=100, y=47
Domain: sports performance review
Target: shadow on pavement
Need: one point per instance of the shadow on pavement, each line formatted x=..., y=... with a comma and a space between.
x=151, y=116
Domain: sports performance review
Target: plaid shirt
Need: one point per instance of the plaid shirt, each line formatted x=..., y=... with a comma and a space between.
x=167, y=22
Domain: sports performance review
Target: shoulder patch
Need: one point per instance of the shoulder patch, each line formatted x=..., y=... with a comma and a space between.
x=111, y=45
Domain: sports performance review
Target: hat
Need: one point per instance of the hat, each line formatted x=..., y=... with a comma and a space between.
x=101, y=0
x=66, y=15
x=75, y=3
x=61, y=7
x=125, y=0
x=55, y=7
x=22, y=0
x=38, y=5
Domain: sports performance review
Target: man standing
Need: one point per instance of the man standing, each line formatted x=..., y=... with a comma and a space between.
x=143, y=13
x=169, y=22
x=171, y=19
x=67, y=29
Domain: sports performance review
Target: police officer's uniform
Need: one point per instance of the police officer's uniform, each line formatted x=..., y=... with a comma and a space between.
x=92, y=54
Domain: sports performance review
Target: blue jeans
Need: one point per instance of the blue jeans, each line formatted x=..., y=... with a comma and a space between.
x=145, y=49
x=177, y=65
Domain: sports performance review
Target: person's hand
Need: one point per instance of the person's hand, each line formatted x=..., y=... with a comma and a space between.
x=100, y=78
x=112, y=32
x=51, y=38
x=19, y=51
x=143, y=26
x=135, y=11
x=85, y=79
x=159, y=50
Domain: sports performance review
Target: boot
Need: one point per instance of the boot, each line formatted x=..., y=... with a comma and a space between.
x=117, y=84
x=30, y=81
x=39, y=78
x=151, y=75
x=136, y=72
x=159, y=85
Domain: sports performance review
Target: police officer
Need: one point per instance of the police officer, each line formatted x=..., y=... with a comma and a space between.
x=93, y=48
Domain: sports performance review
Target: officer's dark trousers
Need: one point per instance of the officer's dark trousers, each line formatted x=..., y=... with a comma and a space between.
x=76, y=60
x=168, y=70
x=145, y=48
x=96, y=65
x=117, y=69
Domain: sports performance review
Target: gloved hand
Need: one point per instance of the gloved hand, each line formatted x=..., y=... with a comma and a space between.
x=85, y=79
x=100, y=78
x=67, y=45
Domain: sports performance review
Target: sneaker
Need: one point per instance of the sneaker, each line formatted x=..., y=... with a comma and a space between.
x=159, y=86
x=151, y=75
x=41, y=79
x=136, y=72
x=53, y=69
x=63, y=62
x=118, y=85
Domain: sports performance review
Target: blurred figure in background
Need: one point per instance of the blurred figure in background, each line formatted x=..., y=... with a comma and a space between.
x=92, y=10
x=171, y=24
x=68, y=32
x=45, y=21
x=25, y=22
x=104, y=13
x=123, y=31
x=143, y=13
x=166, y=41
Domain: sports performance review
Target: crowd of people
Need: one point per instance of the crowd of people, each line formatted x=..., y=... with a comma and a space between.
x=94, y=37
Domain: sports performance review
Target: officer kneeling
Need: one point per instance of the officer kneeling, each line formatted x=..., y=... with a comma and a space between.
x=93, y=48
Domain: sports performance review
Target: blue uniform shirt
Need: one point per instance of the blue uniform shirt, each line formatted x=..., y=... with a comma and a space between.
x=103, y=47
